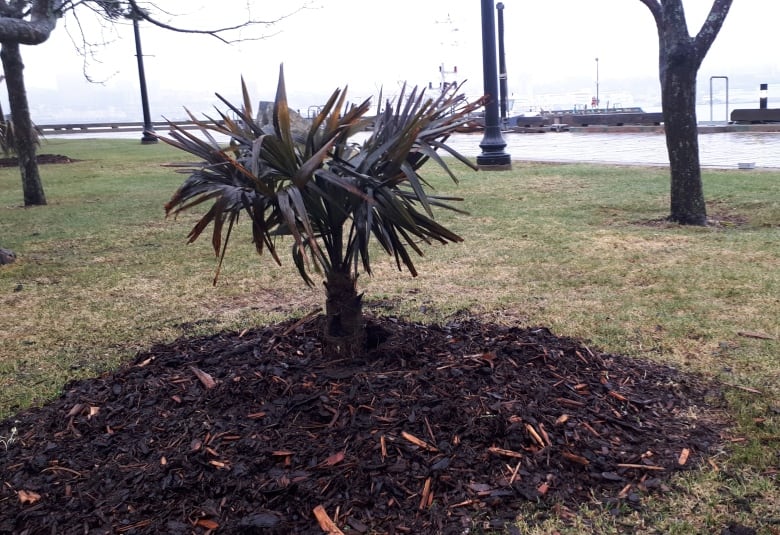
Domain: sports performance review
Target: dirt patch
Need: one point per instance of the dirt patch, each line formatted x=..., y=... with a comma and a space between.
x=41, y=159
x=717, y=221
x=719, y=215
x=436, y=429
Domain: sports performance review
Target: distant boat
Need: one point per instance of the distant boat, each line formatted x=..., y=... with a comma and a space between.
x=594, y=111
x=562, y=119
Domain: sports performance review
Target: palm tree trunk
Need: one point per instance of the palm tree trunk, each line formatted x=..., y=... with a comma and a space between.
x=23, y=128
x=345, y=330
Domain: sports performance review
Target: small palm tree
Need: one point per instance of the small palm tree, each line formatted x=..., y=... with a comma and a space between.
x=8, y=133
x=328, y=193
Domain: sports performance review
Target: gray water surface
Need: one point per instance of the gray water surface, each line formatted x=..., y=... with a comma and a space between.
x=717, y=150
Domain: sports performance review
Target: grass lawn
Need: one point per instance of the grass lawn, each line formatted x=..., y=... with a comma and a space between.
x=581, y=249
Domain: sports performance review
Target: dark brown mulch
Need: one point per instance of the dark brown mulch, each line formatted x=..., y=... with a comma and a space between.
x=13, y=161
x=436, y=428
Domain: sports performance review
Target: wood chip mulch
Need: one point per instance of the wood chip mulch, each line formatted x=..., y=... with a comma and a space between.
x=13, y=161
x=437, y=429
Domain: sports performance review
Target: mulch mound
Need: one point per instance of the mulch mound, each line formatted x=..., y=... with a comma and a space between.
x=13, y=161
x=436, y=429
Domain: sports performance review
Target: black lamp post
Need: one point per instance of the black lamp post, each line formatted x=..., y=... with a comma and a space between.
x=493, y=144
x=597, y=84
x=502, y=81
x=148, y=136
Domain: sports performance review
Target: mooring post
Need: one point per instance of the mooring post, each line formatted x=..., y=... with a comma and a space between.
x=762, y=96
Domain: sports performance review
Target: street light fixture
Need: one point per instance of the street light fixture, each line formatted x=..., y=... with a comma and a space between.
x=493, y=156
x=148, y=137
x=502, y=79
x=596, y=102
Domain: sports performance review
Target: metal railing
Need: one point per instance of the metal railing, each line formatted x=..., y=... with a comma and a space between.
x=107, y=128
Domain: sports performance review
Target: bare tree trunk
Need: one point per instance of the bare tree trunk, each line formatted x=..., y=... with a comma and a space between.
x=678, y=93
x=13, y=67
x=680, y=57
x=345, y=330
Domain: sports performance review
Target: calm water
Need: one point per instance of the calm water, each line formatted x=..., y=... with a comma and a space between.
x=721, y=150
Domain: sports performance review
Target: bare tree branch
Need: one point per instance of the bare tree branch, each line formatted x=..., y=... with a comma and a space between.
x=86, y=49
x=30, y=22
x=14, y=26
x=711, y=27
x=136, y=10
x=655, y=9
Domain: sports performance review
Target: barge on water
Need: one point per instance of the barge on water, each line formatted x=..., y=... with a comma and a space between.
x=558, y=120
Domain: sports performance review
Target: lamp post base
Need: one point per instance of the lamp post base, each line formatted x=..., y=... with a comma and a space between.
x=493, y=157
x=494, y=162
x=148, y=137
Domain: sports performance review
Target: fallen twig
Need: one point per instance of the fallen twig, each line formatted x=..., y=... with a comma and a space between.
x=417, y=442
x=745, y=388
x=505, y=453
x=754, y=334
x=642, y=466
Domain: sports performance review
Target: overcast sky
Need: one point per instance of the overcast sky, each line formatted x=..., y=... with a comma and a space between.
x=372, y=45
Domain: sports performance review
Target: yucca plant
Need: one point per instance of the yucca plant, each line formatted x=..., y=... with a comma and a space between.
x=7, y=135
x=324, y=192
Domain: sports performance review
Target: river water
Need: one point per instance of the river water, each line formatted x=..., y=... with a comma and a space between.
x=716, y=150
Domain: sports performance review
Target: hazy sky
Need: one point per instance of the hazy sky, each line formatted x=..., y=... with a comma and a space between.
x=370, y=45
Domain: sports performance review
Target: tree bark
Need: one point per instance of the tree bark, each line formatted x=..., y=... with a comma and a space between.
x=678, y=97
x=345, y=330
x=28, y=22
x=24, y=132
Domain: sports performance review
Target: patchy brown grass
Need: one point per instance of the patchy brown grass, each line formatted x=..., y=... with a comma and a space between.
x=101, y=275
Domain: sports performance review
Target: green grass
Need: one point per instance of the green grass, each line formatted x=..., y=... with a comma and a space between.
x=582, y=249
